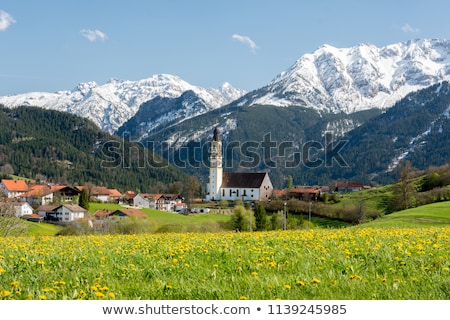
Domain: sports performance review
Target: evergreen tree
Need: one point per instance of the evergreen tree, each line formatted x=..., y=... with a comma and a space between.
x=260, y=218
x=83, y=201
x=238, y=218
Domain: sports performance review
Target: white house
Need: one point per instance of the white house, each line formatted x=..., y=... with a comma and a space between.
x=65, y=213
x=22, y=209
x=246, y=186
x=144, y=200
x=13, y=188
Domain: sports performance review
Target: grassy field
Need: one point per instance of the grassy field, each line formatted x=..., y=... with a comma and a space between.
x=350, y=263
x=436, y=214
x=172, y=221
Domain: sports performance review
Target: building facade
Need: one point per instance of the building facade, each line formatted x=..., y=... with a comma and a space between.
x=232, y=186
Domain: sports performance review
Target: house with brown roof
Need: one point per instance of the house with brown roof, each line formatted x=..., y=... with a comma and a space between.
x=120, y=213
x=246, y=186
x=13, y=188
x=65, y=213
x=304, y=193
x=40, y=194
x=348, y=186
x=102, y=194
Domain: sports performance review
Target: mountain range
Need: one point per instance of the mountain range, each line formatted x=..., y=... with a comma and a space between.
x=113, y=103
x=330, y=95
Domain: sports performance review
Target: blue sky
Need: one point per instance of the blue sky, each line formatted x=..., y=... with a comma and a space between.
x=54, y=45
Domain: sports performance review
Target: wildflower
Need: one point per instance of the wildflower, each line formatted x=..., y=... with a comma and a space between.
x=43, y=297
x=111, y=295
x=286, y=286
x=2, y=270
x=254, y=273
x=169, y=286
x=15, y=284
x=99, y=294
x=300, y=283
x=315, y=280
x=242, y=298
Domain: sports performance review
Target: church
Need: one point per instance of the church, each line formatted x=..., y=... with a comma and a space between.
x=246, y=186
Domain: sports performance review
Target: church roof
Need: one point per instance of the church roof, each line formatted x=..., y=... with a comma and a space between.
x=243, y=179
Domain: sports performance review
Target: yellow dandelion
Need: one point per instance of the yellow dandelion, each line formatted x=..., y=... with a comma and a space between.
x=286, y=286
x=99, y=294
x=254, y=273
x=15, y=284
x=42, y=297
x=215, y=265
x=169, y=287
x=315, y=281
x=242, y=298
x=23, y=259
x=300, y=283
x=2, y=270
x=111, y=295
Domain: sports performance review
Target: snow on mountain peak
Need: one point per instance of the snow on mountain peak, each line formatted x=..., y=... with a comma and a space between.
x=112, y=104
x=357, y=78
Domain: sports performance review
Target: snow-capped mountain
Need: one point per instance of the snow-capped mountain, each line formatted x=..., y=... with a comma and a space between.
x=358, y=78
x=112, y=104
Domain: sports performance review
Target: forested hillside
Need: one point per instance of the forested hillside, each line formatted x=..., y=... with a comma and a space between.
x=60, y=147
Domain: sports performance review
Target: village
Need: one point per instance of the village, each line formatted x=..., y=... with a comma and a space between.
x=49, y=202
x=53, y=202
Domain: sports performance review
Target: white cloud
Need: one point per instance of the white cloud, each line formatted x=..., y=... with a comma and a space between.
x=409, y=29
x=5, y=20
x=93, y=35
x=246, y=40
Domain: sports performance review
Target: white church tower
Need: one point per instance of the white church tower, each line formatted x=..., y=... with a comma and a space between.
x=215, y=168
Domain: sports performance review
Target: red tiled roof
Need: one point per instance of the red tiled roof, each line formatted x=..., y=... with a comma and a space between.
x=304, y=190
x=129, y=194
x=15, y=185
x=114, y=193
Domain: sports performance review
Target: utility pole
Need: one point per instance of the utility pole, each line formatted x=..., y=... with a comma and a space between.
x=251, y=215
x=285, y=217
x=310, y=211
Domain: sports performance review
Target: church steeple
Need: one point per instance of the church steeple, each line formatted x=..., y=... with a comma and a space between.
x=215, y=167
x=216, y=134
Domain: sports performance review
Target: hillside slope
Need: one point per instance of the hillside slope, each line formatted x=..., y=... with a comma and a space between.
x=60, y=147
